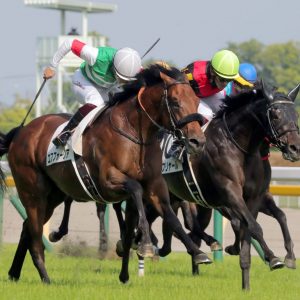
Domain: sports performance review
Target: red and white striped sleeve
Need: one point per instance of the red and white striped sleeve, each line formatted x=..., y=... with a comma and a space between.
x=87, y=53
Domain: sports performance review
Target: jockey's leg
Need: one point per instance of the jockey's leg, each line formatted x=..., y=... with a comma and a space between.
x=86, y=92
x=62, y=138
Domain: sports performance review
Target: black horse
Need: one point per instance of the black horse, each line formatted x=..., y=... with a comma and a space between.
x=233, y=137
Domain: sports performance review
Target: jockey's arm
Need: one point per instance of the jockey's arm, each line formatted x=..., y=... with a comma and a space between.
x=86, y=52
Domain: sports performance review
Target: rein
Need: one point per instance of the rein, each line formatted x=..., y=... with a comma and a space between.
x=231, y=136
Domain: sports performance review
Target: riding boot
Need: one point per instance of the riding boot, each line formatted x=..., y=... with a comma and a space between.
x=62, y=138
x=176, y=149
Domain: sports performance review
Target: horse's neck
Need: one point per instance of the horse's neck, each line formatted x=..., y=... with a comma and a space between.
x=136, y=123
x=244, y=130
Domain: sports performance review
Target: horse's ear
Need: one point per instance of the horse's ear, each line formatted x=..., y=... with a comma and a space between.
x=168, y=80
x=294, y=92
x=267, y=91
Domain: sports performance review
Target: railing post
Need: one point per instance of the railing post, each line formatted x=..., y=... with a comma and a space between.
x=1, y=216
x=258, y=249
x=218, y=234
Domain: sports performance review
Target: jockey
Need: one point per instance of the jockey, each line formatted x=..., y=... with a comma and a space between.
x=208, y=80
x=247, y=78
x=103, y=69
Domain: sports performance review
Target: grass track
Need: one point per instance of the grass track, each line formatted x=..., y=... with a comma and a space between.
x=89, y=278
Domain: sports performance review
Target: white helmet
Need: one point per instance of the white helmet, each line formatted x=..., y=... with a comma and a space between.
x=127, y=63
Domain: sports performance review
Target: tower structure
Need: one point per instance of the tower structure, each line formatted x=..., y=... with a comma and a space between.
x=46, y=46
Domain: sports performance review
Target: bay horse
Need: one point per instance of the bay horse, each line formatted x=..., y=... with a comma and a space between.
x=123, y=156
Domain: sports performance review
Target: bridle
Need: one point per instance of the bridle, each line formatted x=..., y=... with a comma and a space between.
x=273, y=133
x=175, y=125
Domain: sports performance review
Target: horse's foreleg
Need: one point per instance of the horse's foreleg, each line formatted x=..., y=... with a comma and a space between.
x=234, y=249
x=239, y=208
x=245, y=258
x=270, y=208
x=17, y=264
x=159, y=197
x=145, y=247
x=131, y=220
x=55, y=236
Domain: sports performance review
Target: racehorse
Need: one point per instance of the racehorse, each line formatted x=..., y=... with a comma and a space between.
x=123, y=156
x=232, y=138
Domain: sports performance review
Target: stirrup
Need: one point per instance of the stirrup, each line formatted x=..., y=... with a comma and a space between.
x=62, y=139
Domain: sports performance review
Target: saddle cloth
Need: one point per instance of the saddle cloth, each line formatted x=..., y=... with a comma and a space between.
x=73, y=152
x=184, y=167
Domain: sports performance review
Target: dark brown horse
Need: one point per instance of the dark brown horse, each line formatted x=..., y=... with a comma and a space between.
x=259, y=175
x=123, y=156
x=232, y=138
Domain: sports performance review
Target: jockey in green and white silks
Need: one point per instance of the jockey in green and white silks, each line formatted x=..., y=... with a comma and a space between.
x=101, y=73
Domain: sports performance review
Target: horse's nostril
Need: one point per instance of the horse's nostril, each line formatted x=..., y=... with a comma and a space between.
x=294, y=148
x=197, y=142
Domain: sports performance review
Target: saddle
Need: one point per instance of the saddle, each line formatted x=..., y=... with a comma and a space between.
x=73, y=152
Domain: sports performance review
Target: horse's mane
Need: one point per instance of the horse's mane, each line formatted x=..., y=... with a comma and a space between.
x=245, y=98
x=147, y=77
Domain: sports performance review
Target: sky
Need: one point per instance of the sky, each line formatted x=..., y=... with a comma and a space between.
x=189, y=30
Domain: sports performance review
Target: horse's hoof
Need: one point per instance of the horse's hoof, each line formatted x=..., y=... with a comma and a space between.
x=124, y=279
x=13, y=278
x=162, y=252
x=231, y=250
x=201, y=258
x=103, y=247
x=46, y=280
x=275, y=264
x=53, y=237
x=290, y=263
x=215, y=246
x=145, y=250
x=119, y=248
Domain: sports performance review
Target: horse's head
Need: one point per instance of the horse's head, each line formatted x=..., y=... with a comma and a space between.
x=174, y=107
x=282, y=117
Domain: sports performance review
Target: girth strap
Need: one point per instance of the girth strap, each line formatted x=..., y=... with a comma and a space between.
x=87, y=180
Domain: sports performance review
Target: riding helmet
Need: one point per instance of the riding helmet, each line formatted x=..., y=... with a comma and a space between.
x=225, y=64
x=127, y=63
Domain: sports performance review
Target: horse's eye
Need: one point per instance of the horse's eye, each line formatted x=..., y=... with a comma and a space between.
x=175, y=104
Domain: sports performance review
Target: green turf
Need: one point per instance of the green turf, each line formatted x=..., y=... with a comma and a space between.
x=90, y=278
